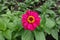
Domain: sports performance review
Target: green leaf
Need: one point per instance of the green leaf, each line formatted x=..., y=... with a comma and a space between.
x=18, y=23
x=17, y=13
x=39, y=35
x=39, y=9
x=49, y=3
x=37, y=0
x=49, y=23
x=43, y=20
x=16, y=35
x=28, y=1
x=54, y=33
x=1, y=36
x=47, y=30
x=51, y=12
x=27, y=35
x=59, y=10
x=2, y=25
x=58, y=26
x=58, y=20
x=8, y=34
x=11, y=25
x=2, y=7
x=8, y=12
x=45, y=6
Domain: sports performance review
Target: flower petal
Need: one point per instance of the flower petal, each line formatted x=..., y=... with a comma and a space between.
x=23, y=21
x=30, y=27
x=24, y=16
x=34, y=25
x=38, y=19
x=25, y=25
x=28, y=12
x=35, y=14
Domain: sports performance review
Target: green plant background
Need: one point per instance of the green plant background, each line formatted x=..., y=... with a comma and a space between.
x=10, y=19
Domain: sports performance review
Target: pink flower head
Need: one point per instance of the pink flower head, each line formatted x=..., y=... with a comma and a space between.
x=30, y=20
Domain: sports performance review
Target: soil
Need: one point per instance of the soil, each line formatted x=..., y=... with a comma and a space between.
x=49, y=37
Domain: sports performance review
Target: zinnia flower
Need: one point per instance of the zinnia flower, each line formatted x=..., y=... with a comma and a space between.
x=30, y=20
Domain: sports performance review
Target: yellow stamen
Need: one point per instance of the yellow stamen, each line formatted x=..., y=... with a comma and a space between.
x=30, y=19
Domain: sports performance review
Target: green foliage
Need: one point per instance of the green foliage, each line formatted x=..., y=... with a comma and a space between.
x=11, y=12
x=50, y=23
x=58, y=20
x=39, y=35
x=1, y=36
x=27, y=35
x=8, y=34
x=54, y=33
x=2, y=25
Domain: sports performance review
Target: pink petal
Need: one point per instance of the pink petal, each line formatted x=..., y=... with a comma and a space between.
x=28, y=12
x=25, y=25
x=24, y=16
x=30, y=27
x=38, y=19
x=35, y=14
x=23, y=21
x=34, y=25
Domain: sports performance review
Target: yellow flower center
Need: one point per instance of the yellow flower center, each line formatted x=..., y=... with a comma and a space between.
x=30, y=19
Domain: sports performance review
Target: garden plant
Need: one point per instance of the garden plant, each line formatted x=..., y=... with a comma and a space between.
x=29, y=19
